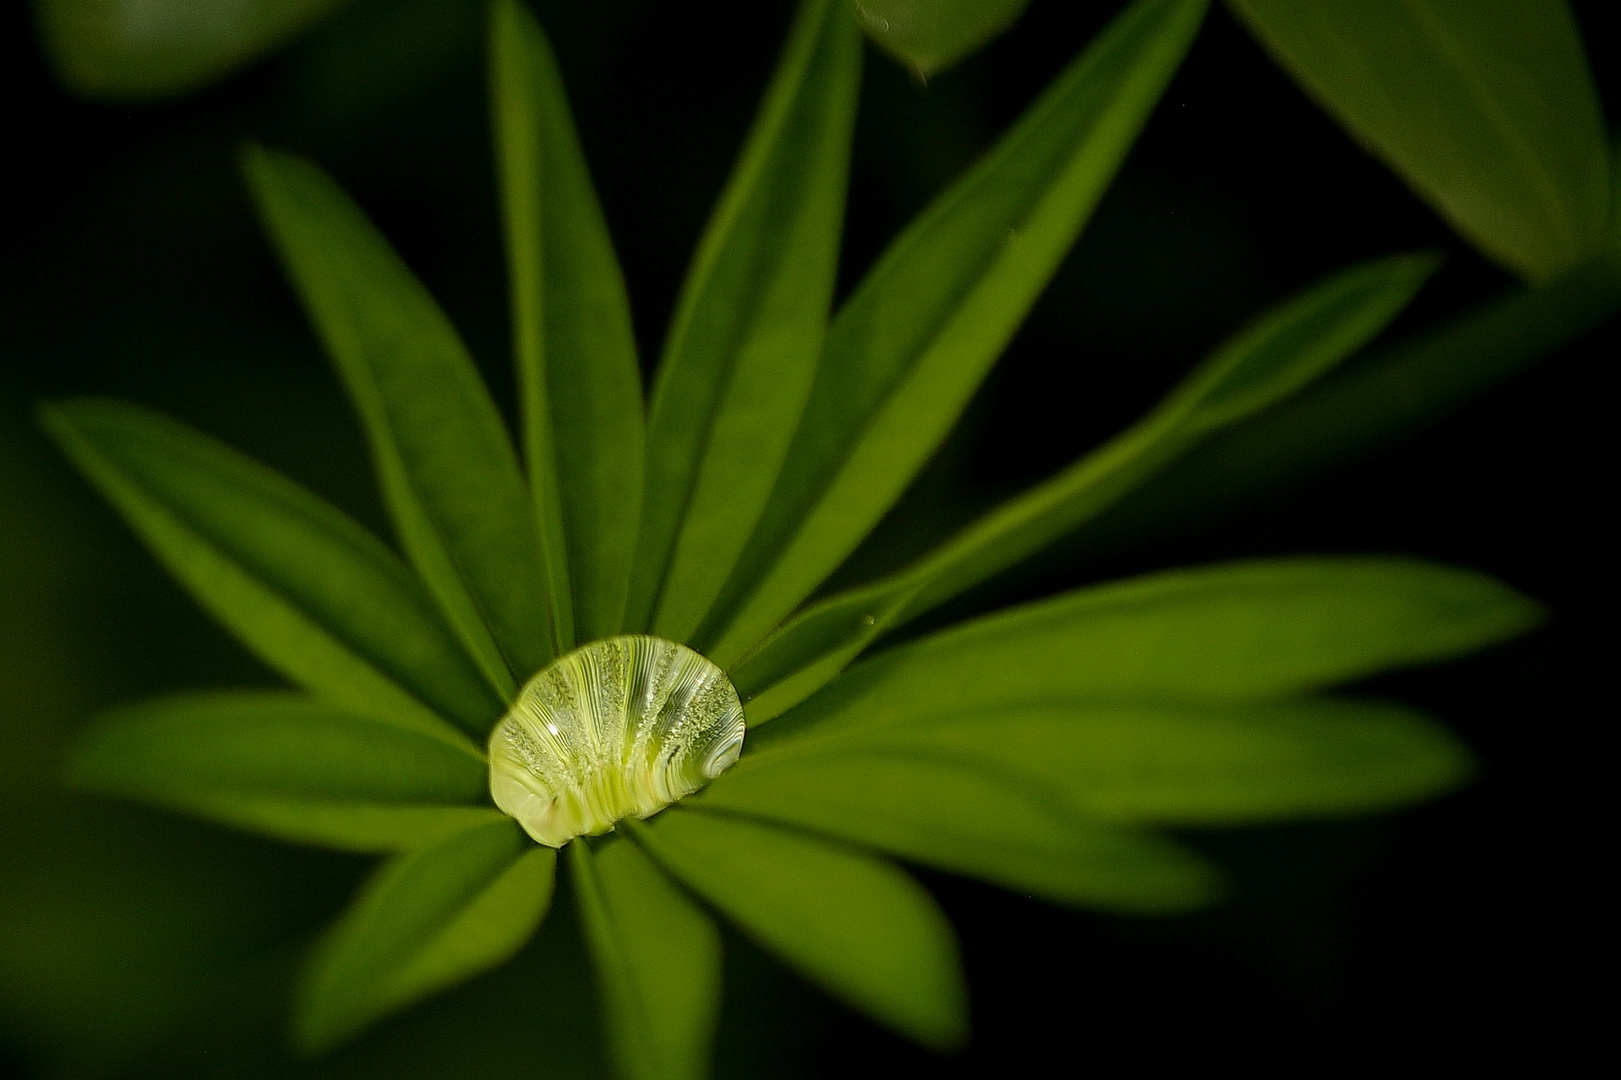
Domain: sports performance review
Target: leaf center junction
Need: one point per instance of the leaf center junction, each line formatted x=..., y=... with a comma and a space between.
x=617, y=728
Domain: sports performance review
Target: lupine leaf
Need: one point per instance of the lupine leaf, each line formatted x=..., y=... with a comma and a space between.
x=288, y=766
x=913, y=342
x=580, y=386
x=1488, y=111
x=448, y=471
x=858, y=926
x=953, y=816
x=424, y=922
x=1244, y=632
x=658, y=963
x=136, y=50
x=929, y=36
x=299, y=583
x=1180, y=765
x=748, y=329
x=1371, y=405
x=1269, y=359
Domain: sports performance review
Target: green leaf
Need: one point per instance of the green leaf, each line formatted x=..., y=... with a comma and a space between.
x=748, y=329
x=1487, y=111
x=1267, y=360
x=139, y=50
x=448, y=471
x=860, y=927
x=1239, y=632
x=968, y=820
x=1373, y=404
x=658, y=963
x=579, y=382
x=929, y=36
x=913, y=342
x=299, y=583
x=284, y=765
x=425, y=922
x=1182, y=765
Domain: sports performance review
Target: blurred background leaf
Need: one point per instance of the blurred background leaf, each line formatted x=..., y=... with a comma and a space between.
x=1488, y=111
x=931, y=35
x=142, y=50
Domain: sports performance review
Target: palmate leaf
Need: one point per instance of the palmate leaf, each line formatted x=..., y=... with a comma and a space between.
x=302, y=585
x=929, y=36
x=1488, y=111
x=449, y=474
x=424, y=922
x=1243, y=632
x=748, y=328
x=1267, y=360
x=955, y=816
x=858, y=926
x=908, y=349
x=290, y=767
x=658, y=961
x=1169, y=765
x=580, y=386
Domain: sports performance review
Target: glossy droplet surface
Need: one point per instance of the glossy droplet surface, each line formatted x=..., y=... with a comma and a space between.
x=618, y=728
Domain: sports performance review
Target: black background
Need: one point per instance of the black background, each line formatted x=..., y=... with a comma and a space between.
x=1471, y=931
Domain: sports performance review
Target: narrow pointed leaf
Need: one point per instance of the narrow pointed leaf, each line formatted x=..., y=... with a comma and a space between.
x=929, y=36
x=580, y=385
x=425, y=922
x=144, y=50
x=748, y=329
x=860, y=927
x=1269, y=359
x=1372, y=405
x=303, y=586
x=914, y=341
x=448, y=471
x=1245, y=632
x=957, y=817
x=1488, y=111
x=1184, y=765
x=658, y=963
x=288, y=766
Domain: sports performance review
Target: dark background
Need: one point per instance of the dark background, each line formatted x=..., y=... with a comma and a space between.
x=136, y=943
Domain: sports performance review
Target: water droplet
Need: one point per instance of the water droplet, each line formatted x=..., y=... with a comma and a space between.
x=635, y=723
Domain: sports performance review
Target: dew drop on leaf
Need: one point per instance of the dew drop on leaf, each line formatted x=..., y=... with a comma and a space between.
x=620, y=727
